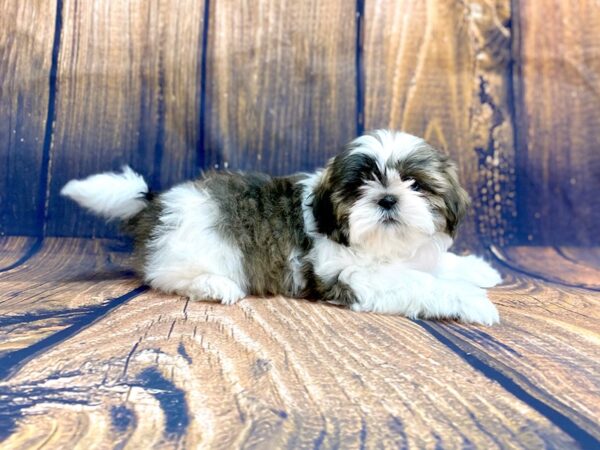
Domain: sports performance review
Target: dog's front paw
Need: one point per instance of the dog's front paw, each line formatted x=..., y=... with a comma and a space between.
x=362, y=307
x=480, y=272
x=231, y=295
x=476, y=307
x=215, y=287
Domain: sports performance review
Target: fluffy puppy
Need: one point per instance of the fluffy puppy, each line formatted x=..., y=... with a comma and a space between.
x=370, y=231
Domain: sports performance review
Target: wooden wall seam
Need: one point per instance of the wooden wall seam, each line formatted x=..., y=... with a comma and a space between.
x=492, y=123
x=155, y=179
x=44, y=193
x=200, y=145
x=360, y=69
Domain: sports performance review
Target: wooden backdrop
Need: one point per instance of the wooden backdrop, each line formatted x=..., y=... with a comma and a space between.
x=91, y=358
x=510, y=89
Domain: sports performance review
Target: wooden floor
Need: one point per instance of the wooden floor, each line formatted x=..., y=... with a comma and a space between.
x=89, y=358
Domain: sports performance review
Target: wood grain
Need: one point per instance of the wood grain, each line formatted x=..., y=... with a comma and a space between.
x=574, y=267
x=128, y=93
x=64, y=280
x=557, y=84
x=90, y=359
x=589, y=256
x=26, y=37
x=267, y=373
x=441, y=70
x=281, y=91
x=162, y=371
x=548, y=344
x=13, y=249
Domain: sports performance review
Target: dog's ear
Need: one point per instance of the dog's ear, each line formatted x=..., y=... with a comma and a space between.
x=322, y=206
x=325, y=214
x=457, y=202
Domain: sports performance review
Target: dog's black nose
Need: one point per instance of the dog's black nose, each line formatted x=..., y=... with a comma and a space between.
x=388, y=202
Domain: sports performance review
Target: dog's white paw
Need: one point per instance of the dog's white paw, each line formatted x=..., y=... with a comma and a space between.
x=418, y=294
x=361, y=307
x=476, y=307
x=215, y=287
x=480, y=272
x=232, y=295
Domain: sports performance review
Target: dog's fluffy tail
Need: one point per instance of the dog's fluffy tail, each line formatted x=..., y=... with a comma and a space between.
x=110, y=194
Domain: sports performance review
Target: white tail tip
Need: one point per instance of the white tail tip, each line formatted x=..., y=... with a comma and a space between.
x=110, y=194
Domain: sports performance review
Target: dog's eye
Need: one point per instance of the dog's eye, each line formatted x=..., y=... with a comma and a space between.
x=415, y=186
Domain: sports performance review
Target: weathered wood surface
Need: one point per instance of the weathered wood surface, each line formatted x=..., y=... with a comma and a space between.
x=275, y=86
x=62, y=281
x=157, y=370
x=588, y=256
x=441, y=70
x=281, y=84
x=557, y=93
x=573, y=266
x=127, y=93
x=26, y=45
x=547, y=345
x=15, y=249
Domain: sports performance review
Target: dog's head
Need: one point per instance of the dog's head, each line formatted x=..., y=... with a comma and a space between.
x=388, y=192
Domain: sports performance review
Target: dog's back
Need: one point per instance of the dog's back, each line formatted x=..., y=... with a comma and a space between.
x=232, y=232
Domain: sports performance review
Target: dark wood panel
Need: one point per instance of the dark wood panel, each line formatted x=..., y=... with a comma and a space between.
x=128, y=93
x=26, y=39
x=557, y=84
x=441, y=70
x=280, y=84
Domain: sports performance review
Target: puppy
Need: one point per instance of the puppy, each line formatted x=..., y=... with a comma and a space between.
x=370, y=231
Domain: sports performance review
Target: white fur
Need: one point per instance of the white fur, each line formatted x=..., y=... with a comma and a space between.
x=405, y=269
x=416, y=223
x=187, y=254
x=111, y=195
x=468, y=268
x=396, y=288
x=428, y=256
x=387, y=146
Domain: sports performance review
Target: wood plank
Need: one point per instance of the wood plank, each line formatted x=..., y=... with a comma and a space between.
x=13, y=249
x=267, y=373
x=552, y=264
x=549, y=344
x=441, y=70
x=558, y=110
x=589, y=256
x=66, y=279
x=280, y=93
x=26, y=37
x=286, y=372
x=128, y=84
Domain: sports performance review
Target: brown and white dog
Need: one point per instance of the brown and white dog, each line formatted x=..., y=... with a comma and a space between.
x=370, y=231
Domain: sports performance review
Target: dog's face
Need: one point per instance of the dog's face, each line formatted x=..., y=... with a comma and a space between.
x=387, y=193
